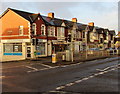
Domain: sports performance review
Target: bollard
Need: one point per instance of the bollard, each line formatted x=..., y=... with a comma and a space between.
x=54, y=60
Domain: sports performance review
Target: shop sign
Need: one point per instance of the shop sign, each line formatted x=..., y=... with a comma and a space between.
x=15, y=40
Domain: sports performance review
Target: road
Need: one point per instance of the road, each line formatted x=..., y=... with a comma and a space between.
x=90, y=76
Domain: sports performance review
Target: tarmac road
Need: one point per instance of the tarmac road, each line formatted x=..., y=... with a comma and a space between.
x=90, y=76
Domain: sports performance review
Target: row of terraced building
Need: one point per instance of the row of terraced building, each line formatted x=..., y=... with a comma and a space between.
x=24, y=33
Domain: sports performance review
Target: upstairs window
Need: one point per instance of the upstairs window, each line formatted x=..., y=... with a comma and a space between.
x=20, y=30
x=34, y=29
x=42, y=29
x=51, y=31
x=61, y=32
x=83, y=34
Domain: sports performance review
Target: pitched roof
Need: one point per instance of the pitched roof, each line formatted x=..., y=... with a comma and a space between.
x=106, y=31
x=112, y=32
x=100, y=30
x=24, y=14
x=81, y=26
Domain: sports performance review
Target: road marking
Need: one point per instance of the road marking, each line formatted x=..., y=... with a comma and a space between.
x=42, y=69
x=86, y=78
x=108, y=67
x=31, y=68
x=49, y=67
x=45, y=65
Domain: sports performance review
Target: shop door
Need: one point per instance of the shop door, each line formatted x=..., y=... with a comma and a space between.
x=28, y=52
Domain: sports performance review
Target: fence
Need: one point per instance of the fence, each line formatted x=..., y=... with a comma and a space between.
x=82, y=55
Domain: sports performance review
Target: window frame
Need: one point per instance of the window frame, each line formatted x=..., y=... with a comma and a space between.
x=61, y=31
x=34, y=29
x=51, y=30
x=21, y=29
x=43, y=30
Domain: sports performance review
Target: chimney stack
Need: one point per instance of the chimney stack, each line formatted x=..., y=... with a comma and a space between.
x=74, y=20
x=91, y=24
x=51, y=15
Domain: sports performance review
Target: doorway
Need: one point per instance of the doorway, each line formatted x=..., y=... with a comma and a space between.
x=28, y=51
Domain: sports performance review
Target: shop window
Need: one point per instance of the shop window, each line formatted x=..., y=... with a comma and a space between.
x=20, y=30
x=8, y=47
x=40, y=48
x=13, y=47
x=17, y=48
x=42, y=29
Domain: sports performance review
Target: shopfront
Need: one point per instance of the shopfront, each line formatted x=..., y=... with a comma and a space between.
x=41, y=48
x=13, y=49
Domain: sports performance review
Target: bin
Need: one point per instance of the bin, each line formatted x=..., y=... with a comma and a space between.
x=54, y=58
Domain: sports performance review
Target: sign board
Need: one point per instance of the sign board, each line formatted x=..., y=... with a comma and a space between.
x=15, y=40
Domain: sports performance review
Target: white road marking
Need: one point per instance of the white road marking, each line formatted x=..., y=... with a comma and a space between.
x=86, y=78
x=45, y=65
x=108, y=67
x=31, y=68
x=42, y=69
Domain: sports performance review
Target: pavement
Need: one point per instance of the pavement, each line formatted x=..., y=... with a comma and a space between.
x=48, y=61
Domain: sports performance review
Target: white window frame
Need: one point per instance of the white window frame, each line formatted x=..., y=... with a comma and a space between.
x=34, y=28
x=51, y=29
x=43, y=29
x=61, y=31
x=21, y=30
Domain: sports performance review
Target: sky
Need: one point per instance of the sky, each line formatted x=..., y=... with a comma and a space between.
x=103, y=14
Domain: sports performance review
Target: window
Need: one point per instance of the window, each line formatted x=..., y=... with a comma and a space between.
x=41, y=48
x=51, y=31
x=74, y=34
x=34, y=29
x=42, y=29
x=83, y=34
x=60, y=31
x=13, y=47
x=20, y=30
x=101, y=40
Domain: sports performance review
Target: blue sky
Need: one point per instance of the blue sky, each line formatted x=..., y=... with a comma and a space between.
x=103, y=14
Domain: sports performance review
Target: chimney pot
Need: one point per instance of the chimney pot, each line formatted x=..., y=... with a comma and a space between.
x=91, y=24
x=51, y=15
x=74, y=19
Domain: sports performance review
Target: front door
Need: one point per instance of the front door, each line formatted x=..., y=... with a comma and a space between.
x=28, y=52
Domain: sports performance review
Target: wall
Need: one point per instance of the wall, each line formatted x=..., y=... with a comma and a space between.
x=10, y=26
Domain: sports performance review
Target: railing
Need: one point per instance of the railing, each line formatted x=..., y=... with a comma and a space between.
x=82, y=55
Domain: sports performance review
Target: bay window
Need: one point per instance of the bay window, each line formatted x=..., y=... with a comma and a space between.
x=51, y=31
x=60, y=32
